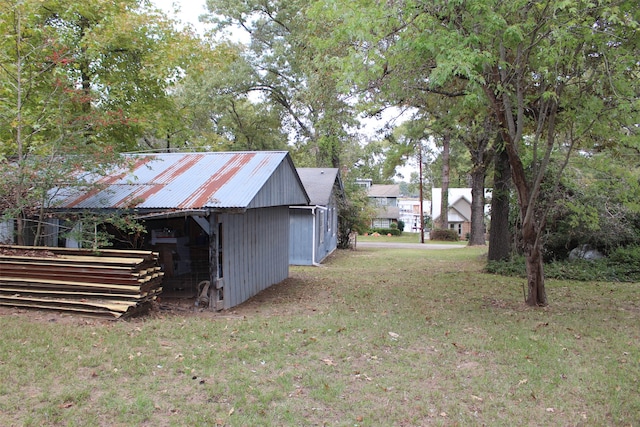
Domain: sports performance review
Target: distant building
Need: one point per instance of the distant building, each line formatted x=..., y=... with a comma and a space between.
x=385, y=200
x=364, y=183
x=314, y=228
x=459, y=213
x=221, y=217
x=410, y=213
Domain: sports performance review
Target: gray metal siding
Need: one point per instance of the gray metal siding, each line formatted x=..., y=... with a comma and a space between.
x=303, y=227
x=282, y=188
x=329, y=243
x=255, y=252
x=301, y=237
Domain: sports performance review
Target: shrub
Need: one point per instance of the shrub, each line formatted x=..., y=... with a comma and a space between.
x=385, y=231
x=623, y=265
x=629, y=256
x=513, y=267
x=444, y=235
x=401, y=225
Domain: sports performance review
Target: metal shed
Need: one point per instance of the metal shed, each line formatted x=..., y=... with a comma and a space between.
x=221, y=217
x=314, y=228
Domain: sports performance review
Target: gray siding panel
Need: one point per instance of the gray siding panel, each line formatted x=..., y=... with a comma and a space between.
x=282, y=188
x=255, y=252
x=303, y=229
x=301, y=237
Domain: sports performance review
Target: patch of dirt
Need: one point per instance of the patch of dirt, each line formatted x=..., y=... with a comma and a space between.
x=51, y=316
x=295, y=295
x=301, y=293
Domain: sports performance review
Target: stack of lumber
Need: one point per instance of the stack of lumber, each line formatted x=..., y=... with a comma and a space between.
x=109, y=283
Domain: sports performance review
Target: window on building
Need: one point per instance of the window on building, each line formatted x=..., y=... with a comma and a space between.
x=457, y=227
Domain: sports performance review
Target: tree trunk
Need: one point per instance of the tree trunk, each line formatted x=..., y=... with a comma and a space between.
x=499, y=235
x=476, y=236
x=536, y=294
x=531, y=233
x=20, y=228
x=444, y=200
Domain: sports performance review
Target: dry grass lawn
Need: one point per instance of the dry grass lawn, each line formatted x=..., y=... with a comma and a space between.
x=375, y=337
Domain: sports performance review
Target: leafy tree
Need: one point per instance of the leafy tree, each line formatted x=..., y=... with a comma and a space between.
x=77, y=80
x=288, y=71
x=500, y=226
x=43, y=125
x=477, y=135
x=555, y=77
x=598, y=206
x=215, y=110
x=122, y=57
x=354, y=213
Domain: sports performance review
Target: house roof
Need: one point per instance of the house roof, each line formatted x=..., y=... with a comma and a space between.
x=186, y=181
x=319, y=183
x=456, y=195
x=384, y=190
x=459, y=203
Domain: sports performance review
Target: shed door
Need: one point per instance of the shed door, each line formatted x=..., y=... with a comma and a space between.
x=216, y=258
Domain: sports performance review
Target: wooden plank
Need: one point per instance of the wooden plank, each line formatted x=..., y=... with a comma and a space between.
x=129, y=253
x=116, y=306
x=111, y=283
x=10, y=290
x=62, y=263
x=70, y=284
x=88, y=278
x=80, y=296
x=111, y=261
x=85, y=311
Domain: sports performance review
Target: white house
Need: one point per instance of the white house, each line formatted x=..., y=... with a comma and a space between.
x=459, y=213
x=410, y=213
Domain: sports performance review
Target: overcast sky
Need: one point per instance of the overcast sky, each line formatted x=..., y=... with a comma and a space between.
x=189, y=10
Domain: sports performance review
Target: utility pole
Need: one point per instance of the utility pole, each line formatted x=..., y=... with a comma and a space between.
x=421, y=192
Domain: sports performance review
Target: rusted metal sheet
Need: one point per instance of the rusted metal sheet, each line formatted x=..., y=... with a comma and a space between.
x=107, y=284
x=185, y=181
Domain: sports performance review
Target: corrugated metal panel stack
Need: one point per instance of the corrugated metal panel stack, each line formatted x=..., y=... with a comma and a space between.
x=110, y=283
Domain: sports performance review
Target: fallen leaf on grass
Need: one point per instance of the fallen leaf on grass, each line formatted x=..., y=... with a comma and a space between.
x=551, y=410
x=458, y=346
x=394, y=335
x=479, y=399
x=329, y=362
x=66, y=405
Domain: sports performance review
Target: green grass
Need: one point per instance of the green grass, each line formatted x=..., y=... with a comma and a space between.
x=375, y=337
x=405, y=237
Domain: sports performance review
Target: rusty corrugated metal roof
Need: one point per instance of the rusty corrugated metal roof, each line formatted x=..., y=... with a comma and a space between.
x=184, y=181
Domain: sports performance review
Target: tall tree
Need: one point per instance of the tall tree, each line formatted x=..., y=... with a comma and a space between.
x=500, y=235
x=216, y=110
x=290, y=72
x=555, y=75
x=477, y=135
x=76, y=82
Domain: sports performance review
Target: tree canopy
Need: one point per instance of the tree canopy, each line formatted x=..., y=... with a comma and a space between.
x=555, y=77
x=79, y=83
